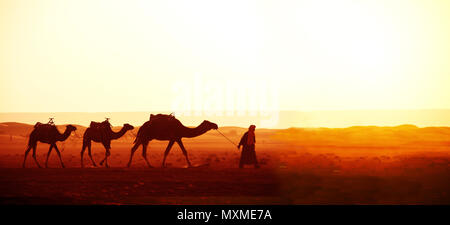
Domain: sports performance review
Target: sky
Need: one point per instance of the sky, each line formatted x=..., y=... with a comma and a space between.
x=137, y=55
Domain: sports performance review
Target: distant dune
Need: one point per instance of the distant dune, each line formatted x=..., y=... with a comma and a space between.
x=375, y=136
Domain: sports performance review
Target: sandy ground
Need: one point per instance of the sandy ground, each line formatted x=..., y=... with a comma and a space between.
x=294, y=170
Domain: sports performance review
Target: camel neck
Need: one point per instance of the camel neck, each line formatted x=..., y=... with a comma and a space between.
x=194, y=132
x=118, y=134
x=65, y=135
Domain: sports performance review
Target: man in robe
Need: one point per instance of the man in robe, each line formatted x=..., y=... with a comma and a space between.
x=248, y=154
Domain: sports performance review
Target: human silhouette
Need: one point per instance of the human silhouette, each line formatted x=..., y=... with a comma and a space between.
x=50, y=121
x=46, y=133
x=167, y=128
x=101, y=132
x=248, y=154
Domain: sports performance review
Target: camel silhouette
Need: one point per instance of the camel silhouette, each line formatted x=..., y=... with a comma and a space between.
x=101, y=132
x=167, y=128
x=46, y=133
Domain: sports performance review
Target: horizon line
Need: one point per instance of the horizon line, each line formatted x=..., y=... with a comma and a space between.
x=287, y=110
x=265, y=128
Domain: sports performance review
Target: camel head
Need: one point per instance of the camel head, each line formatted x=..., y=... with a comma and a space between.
x=128, y=126
x=210, y=125
x=71, y=128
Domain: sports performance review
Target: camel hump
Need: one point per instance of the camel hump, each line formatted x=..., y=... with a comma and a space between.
x=37, y=124
x=160, y=116
x=45, y=127
x=104, y=124
x=163, y=120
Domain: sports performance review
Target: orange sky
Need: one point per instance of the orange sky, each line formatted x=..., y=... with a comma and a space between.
x=109, y=56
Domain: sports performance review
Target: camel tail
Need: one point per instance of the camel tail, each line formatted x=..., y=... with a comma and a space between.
x=140, y=132
x=137, y=135
x=30, y=139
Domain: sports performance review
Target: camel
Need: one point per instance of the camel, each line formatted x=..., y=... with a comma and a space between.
x=46, y=133
x=167, y=128
x=101, y=132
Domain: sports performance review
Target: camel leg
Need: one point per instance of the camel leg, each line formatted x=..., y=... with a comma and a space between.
x=107, y=153
x=48, y=155
x=144, y=154
x=82, y=152
x=105, y=160
x=90, y=154
x=133, y=149
x=169, y=146
x=34, y=155
x=180, y=143
x=26, y=154
x=59, y=155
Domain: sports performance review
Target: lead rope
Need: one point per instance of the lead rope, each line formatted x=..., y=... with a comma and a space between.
x=226, y=138
x=76, y=135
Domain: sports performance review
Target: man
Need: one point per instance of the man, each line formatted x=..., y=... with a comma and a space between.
x=248, y=155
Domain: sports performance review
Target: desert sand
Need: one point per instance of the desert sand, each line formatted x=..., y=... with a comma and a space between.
x=355, y=165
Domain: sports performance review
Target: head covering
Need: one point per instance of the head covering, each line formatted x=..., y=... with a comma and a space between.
x=251, y=135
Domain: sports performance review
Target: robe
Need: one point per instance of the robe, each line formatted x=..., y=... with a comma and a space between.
x=248, y=154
